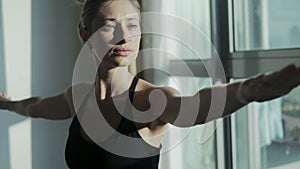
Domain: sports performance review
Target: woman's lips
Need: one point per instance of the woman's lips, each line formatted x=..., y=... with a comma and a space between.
x=122, y=52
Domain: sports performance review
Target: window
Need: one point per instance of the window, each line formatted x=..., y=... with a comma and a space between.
x=267, y=134
x=172, y=59
x=265, y=37
x=266, y=24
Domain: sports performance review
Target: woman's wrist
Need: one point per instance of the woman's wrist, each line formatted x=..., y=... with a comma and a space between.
x=6, y=105
x=11, y=106
x=243, y=92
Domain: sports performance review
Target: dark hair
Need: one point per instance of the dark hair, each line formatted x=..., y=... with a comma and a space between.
x=90, y=9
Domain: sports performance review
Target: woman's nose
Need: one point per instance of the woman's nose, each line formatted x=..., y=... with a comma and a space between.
x=121, y=35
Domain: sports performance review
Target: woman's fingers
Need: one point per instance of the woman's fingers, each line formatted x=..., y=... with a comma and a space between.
x=4, y=97
x=291, y=76
x=269, y=86
x=298, y=75
x=288, y=77
x=3, y=101
x=288, y=72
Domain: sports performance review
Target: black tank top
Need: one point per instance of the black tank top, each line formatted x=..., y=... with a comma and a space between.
x=81, y=154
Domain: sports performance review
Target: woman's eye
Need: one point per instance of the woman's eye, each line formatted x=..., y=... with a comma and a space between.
x=109, y=27
x=132, y=26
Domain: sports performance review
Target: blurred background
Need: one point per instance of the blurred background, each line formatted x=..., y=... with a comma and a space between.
x=39, y=45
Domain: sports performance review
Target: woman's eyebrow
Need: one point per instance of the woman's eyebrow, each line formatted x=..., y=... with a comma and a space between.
x=114, y=19
x=110, y=19
x=131, y=18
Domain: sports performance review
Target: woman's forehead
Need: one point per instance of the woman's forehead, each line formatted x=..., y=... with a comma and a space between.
x=117, y=9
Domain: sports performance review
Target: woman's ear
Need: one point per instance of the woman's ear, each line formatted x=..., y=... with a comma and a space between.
x=84, y=34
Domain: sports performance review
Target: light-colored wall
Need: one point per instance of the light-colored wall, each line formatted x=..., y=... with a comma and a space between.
x=54, y=49
x=55, y=46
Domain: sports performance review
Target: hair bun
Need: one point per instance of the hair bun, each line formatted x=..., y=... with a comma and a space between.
x=80, y=2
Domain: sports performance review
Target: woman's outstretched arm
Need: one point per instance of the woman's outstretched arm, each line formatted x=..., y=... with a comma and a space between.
x=201, y=108
x=260, y=88
x=55, y=107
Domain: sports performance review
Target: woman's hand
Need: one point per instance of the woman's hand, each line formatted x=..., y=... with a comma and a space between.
x=4, y=99
x=269, y=86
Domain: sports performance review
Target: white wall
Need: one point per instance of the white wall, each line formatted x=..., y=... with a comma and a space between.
x=53, y=49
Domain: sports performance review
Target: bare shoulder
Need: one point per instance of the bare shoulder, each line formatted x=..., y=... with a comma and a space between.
x=143, y=90
x=146, y=86
x=77, y=93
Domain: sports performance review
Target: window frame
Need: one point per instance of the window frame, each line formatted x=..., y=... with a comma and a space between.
x=236, y=65
x=271, y=60
x=243, y=64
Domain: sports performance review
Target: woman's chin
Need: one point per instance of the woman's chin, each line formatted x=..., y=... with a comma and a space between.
x=118, y=61
x=124, y=60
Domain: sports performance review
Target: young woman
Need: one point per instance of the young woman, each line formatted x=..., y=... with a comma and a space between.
x=109, y=18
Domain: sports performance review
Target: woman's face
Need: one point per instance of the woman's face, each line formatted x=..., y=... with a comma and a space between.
x=119, y=32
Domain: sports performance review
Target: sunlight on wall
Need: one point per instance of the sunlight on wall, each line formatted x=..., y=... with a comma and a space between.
x=17, y=57
x=17, y=46
x=20, y=145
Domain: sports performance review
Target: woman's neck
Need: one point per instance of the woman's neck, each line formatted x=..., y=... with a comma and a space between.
x=114, y=81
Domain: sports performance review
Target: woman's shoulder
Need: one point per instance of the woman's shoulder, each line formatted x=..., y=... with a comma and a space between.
x=144, y=85
x=79, y=88
x=77, y=93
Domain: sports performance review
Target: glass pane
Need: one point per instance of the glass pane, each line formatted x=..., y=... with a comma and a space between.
x=190, y=152
x=193, y=151
x=267, y=135
x=266, y=24
x=195, y=13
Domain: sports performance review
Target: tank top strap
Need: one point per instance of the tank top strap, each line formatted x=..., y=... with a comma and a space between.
x=126, y=126
x=132, y=88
